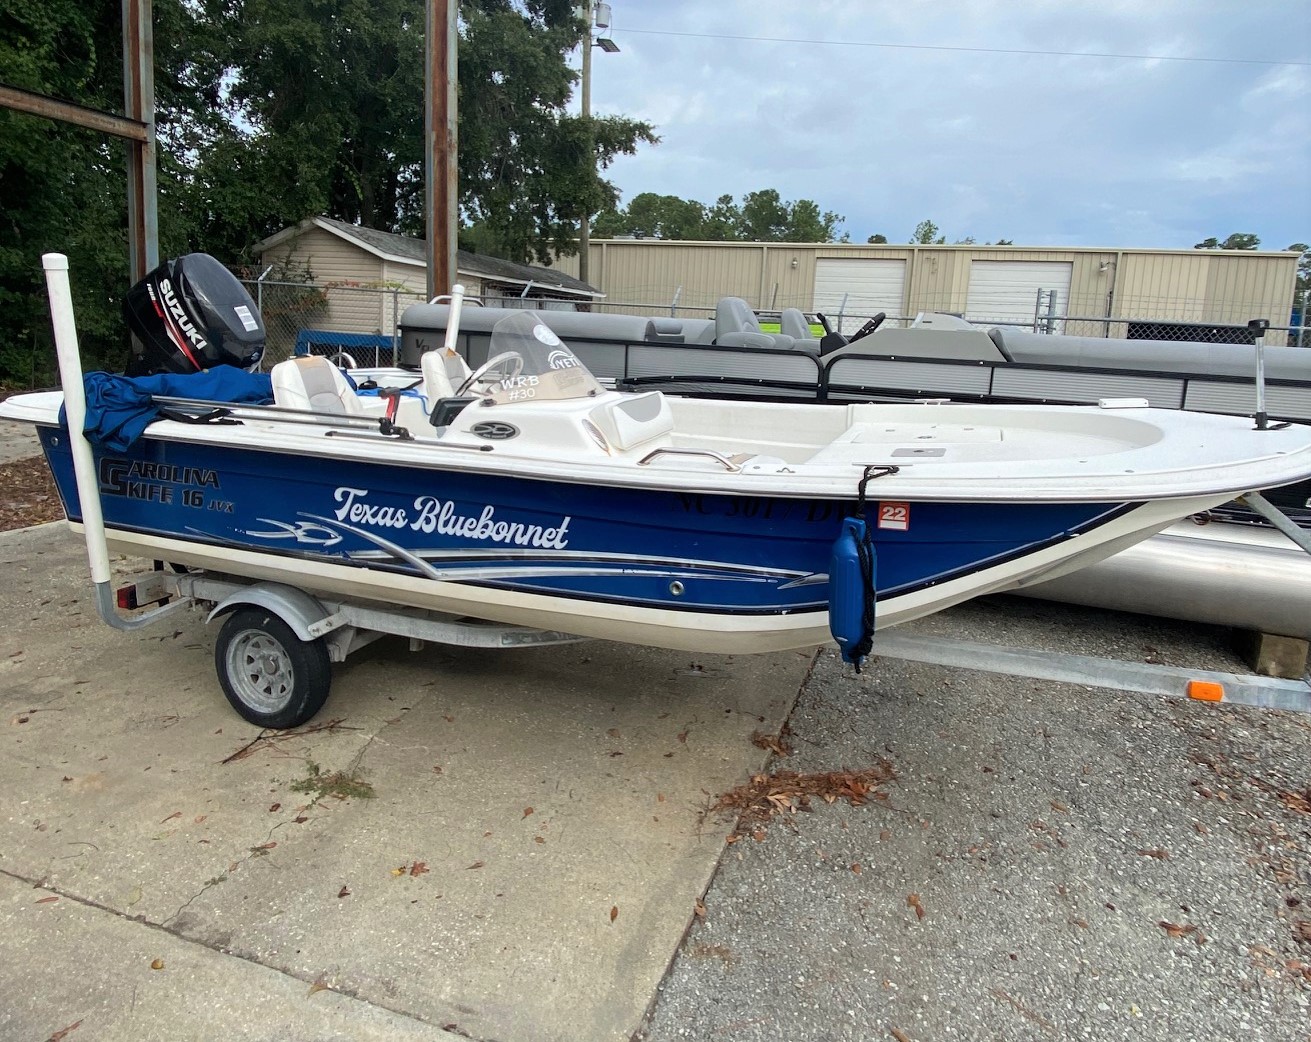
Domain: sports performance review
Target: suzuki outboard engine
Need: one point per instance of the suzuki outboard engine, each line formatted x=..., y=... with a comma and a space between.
x=191, y=314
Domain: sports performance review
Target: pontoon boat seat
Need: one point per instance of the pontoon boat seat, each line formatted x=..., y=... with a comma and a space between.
x=664, y=331
x=633, y=419
x=736, y=325
x=792, y=322
x=313, y=383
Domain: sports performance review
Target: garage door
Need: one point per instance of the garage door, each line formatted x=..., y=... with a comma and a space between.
x=1007, y=291
x=867, y=285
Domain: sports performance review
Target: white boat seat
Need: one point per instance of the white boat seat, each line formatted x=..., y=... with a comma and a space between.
x=436, y=380
x=314, y=384
x=633, y=420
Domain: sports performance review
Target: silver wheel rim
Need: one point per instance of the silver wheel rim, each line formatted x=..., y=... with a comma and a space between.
x=260, y=671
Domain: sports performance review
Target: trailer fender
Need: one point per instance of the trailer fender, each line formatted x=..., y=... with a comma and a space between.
x=295, y=607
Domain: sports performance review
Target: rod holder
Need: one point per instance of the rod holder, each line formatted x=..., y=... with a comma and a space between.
x=1257, y=328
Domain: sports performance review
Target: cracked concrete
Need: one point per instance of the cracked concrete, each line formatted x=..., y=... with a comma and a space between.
x=529, y=864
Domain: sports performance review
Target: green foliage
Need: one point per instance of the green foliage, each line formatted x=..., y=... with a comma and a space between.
x=1236, y=241
x=763, y=216
x=1303, y=268
x=927, y=232
x=271, y=111
x=878, y=238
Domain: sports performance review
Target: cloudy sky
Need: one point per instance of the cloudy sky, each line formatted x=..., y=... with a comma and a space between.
x=892, y=111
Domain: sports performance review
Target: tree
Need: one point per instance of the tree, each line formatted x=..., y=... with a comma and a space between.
x=763, y=216
x=805, y=223
x=1236, y=241
x=1303, y=269
x=327, y=117
x=926, y=232
x=878, y=238
x=64, y=188
x=723, y=219
x=665, y=217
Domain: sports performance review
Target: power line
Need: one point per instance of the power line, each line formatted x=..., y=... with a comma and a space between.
x=964, y=50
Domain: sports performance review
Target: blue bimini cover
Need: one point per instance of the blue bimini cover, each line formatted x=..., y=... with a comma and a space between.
x=120, y=408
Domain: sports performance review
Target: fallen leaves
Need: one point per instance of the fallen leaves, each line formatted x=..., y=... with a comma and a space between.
x=526, y=812
x=1298, y=802
x=63, y=1033
x=614, y=912
x=1160, y=855
x=157, y=964
x=47, y=900
x=1176, y=930
x=913, y=900
x=1302, y=931
x=776, y=743
x=419, y=868
x=29, y=496
x=317, y=987
x=783, y=792
x=343, y=892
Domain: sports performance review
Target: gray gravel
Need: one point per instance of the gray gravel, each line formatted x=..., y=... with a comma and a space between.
x=1048, y=830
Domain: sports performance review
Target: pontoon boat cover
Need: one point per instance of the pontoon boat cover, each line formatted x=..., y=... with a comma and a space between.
x=120, y=408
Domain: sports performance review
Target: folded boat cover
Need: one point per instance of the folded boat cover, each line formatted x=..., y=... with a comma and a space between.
x=120, y=408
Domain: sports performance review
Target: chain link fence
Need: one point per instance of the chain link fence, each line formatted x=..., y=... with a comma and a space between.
x=354, y=325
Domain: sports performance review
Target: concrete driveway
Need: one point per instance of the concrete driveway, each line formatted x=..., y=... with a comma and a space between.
x=497, y=845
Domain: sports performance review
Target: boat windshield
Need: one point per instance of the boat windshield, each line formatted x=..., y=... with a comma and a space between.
x=528, y=362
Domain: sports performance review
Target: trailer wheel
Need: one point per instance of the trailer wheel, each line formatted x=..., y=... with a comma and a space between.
x=271, y=676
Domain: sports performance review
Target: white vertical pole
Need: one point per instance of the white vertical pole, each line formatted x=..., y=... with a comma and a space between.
x=453, y=317
x=70, y=375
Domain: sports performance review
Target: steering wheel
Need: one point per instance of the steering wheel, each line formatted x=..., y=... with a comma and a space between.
x=869, y=326
x=512, y=360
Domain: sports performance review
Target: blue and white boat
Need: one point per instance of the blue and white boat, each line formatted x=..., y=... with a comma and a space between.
x=528, y=494
x=546, y=501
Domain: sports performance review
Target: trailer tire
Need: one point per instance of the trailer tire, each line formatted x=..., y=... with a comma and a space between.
x=271, y=677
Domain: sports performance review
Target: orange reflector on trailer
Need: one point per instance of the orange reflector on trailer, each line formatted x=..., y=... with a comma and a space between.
x=1206, y=690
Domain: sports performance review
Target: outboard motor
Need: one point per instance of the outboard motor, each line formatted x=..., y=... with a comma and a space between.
x=191, y=314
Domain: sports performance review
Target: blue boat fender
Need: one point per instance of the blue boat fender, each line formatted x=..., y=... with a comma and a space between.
x=851, y=585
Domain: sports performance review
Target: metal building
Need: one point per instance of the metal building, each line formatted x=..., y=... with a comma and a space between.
x=1080, y=290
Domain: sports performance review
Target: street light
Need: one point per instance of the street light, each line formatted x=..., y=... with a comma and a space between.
x=598, y=15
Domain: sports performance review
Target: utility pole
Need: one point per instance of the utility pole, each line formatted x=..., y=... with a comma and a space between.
x=139, y=107
x=585, y=225
x=597, y=14
x=441, y=142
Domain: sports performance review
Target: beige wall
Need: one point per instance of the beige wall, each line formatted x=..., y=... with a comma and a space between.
x=349, y=275
x=1181, y=285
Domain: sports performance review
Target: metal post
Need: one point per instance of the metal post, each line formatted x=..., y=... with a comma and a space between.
x=441, y=182
x=395, y=322
x=673, y=304
x=1306, y=318
x=139, y=106
x=1258, y=326
x=585, y=225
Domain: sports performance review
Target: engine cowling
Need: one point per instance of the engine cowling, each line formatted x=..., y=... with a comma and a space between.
x=191, y=314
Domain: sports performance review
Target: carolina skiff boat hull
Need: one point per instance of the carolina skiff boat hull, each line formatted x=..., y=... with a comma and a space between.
x=713, y=533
